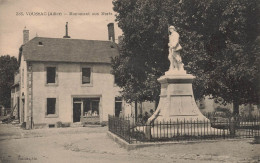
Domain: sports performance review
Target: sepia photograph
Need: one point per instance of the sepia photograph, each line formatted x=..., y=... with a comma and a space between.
x=130, y=81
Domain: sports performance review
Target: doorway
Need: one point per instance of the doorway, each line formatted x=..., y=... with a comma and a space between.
x=76, y=112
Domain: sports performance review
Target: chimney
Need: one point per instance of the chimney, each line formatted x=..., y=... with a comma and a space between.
x=66, y=31
x=111, y=32
x=25, y=35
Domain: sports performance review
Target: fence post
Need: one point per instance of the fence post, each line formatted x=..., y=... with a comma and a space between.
x=148, y=131
x=129, y=132
x=232, y=126
x=160, y=130
x=252, y=128
x=204, y=128
x=167, y=129
x=184, y=127
x=170, y=128
x=177, y=129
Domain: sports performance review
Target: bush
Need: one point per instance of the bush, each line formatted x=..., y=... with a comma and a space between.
x=225, y=113
x=59, y=124
x=103, y=124
x=23, y=125
x=138, y=135
x=66, y=125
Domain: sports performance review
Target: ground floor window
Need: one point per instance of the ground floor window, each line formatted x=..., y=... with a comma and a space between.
x=51, y=106
x=91, y=107
x=118, y=106
x=85, y=108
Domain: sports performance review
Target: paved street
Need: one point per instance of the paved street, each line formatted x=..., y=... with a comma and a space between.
x=91, y=144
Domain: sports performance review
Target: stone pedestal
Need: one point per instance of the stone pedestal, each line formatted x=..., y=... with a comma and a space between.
x=177, y=99
x=177, y=109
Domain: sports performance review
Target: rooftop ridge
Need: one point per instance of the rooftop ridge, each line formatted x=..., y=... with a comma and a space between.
x=72, y=39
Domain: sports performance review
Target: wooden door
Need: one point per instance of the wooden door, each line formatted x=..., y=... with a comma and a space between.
x=76, y=112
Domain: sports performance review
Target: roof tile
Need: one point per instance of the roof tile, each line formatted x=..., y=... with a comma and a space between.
x=69, y=50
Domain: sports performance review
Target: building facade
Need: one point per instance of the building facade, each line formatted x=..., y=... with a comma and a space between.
x=15, y=96
x=67, y=80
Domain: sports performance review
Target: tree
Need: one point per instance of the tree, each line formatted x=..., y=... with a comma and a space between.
x=227, y=59
x=143, y=51
x=219, y=40
x=8, y=66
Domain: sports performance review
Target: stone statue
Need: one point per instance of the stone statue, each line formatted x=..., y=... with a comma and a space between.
x=174, y=52
x=177, y=103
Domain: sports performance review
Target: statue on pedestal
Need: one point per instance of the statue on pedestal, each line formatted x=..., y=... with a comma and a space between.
x=176, y=98
x=174, y=57
x=177, y=103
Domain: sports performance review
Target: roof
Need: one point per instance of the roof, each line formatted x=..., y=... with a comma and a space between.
x=69, y=50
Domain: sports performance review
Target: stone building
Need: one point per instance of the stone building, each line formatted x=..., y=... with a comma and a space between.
x=67, y=80
x=15, y=94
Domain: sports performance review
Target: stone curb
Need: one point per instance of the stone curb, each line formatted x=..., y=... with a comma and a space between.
x=127, y=146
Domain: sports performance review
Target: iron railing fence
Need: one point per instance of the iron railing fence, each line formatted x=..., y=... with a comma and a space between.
x=120, y=127
x=214, y=115
x=133, y=131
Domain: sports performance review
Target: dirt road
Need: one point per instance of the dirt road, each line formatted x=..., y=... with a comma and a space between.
x=91, y=144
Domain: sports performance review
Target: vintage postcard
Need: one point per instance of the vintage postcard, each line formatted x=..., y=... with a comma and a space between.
x=129, y=81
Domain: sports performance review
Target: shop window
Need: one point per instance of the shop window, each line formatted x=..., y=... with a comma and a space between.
x=91, y=107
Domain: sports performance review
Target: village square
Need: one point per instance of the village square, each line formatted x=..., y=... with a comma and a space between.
x=152, y=81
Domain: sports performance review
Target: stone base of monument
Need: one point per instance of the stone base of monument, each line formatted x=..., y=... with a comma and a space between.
x=177, y=99
x=177, y=104
x=173, y=131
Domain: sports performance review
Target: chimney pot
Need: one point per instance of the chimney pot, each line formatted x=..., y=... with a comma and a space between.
x=25, y=35
x=111, y=32
x=66, y=31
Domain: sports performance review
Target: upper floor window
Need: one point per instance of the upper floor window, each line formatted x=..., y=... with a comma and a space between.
x=86, y=75
x=51, y=75
x=115, y=80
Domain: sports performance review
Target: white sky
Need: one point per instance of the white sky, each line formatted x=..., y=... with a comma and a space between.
x=80, y=27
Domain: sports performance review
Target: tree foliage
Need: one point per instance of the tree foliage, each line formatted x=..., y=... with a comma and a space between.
x=220, y=47
x=8, y=66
